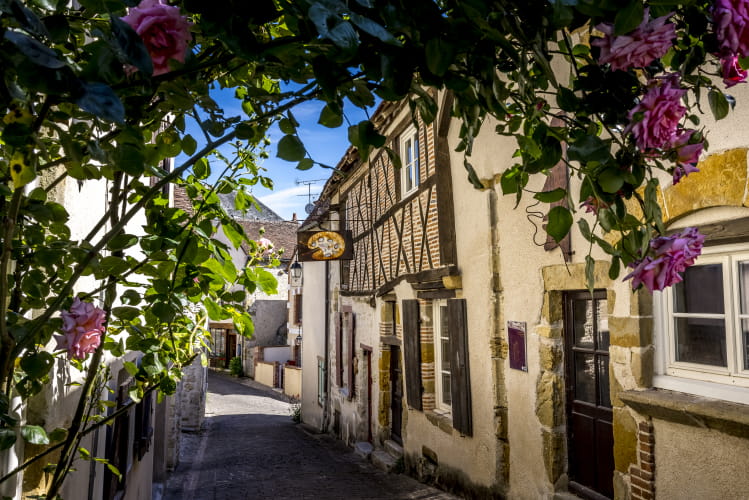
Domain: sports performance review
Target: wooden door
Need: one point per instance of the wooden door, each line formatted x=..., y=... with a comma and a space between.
x=396, y=395
x=368, y=359
x=589, y=414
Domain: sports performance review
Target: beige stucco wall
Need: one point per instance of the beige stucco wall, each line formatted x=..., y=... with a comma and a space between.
x=699, y=463
x=292, y=381
x=313, y=339
x=264, y=373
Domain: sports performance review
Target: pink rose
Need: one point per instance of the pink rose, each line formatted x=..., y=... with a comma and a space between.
x=265, y=243
x=671, y=255
x=649, y=41
x=165, y=32
x=687, y=155
x=82, y=328
x=732, y=72
x=731, y=25
x=654, y=121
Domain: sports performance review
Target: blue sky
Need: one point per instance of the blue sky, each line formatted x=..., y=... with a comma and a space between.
x=325, y=145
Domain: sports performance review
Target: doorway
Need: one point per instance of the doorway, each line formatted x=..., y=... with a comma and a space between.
x=396, y=395
x=590, y=437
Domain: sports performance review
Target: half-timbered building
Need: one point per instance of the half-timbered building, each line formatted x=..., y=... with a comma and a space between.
x=460, y=333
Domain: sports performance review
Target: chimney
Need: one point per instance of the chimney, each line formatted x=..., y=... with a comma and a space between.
x=293, y=217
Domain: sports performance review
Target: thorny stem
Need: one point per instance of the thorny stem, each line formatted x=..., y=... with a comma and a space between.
x=7, y=343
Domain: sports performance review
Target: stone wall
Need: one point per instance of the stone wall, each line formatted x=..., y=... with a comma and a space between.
x=192, y=397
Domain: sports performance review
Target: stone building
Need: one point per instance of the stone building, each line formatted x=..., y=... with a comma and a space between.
x=552, y=390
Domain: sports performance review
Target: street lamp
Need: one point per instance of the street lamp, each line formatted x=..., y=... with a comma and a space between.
x=296, y=274
x=298, y=339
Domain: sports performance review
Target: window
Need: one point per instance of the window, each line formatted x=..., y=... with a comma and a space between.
x=409, y=161
x=298, y=309
x=704, y=327
x=442, y=356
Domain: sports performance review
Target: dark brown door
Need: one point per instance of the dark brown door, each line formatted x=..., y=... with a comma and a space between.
x=589, y=415
x=231, y=348
x=396, y=395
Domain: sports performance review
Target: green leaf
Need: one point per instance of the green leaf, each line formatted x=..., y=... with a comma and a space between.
x=37, y=365
x=551, y=196
x=559, y=223
x=201, y=169
x=36, y=52
x=131, y=368
x=629, y=18
x=100, y=100
x=372, y=28
x=331, y=116
x=233, y=234
x=132, y=45
x=305, y=164
x=126, y=313
x=614, y=268
x=58, y=434
x=7, y=438
x=718, y=104
x=34, y=434
x=215, y=311
x=590, y=272
x=122, y=241
x=290, y=148
x=190, y=145
x=611, y=180
x=529, y=147
x=287, y=126
x=344, y=35
x=589, y=148
x=439, y=54
x=567, y=100
x=266, y=281
x=244, y=325
x=585, y=229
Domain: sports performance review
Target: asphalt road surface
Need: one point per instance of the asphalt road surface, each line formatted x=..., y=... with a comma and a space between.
x=251, y=449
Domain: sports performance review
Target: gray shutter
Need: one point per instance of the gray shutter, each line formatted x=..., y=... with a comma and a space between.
x=412, y=353
x=338, y=351
x=460, y=373
x=351, y=335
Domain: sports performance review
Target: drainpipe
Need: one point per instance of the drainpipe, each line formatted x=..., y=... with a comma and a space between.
x=326, y=389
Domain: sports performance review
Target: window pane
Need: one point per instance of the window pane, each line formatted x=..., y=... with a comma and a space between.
x=446, y=395
x=585, y=377
x=701, y=291
x=604, y=399
x=701, y=340
x=416, y=161
x=745, y=343
x=409, y=154
x=743, y=283
x=583, y=327
x=602, y=333
x=445, y=355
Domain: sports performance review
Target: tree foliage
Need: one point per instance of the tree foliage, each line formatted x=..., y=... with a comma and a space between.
x=82, y=101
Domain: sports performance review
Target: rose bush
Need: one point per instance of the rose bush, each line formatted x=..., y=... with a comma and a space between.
x=82, y=328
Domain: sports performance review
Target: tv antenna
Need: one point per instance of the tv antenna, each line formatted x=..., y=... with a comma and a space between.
x=309, y=207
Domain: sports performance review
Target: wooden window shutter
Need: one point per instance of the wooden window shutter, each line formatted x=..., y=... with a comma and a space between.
x=339, y=351
x=460, y=372
x=412, y=352
x=351, y=336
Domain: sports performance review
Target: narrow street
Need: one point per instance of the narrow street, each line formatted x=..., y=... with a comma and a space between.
x=251, y=449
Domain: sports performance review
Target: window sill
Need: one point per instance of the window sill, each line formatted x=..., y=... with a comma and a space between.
x=687, y=409
x=441, y=419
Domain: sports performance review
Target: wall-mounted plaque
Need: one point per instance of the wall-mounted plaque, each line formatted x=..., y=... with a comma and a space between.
x=516, y=336
x=325, y=245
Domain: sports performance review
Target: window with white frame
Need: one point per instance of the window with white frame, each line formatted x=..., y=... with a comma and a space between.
x=704, y=327
x=409, y=145
x=442, y=372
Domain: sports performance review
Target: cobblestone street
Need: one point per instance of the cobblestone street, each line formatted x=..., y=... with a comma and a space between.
x=251, y=449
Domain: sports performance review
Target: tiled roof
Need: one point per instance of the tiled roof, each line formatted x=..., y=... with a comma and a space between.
x=282, y=234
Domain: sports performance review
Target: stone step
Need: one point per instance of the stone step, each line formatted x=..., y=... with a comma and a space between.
x=363, y=449
x=383, y=460
x=394, y=449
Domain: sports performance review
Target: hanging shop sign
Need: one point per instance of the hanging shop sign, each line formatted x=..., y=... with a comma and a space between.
x=325, y=245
